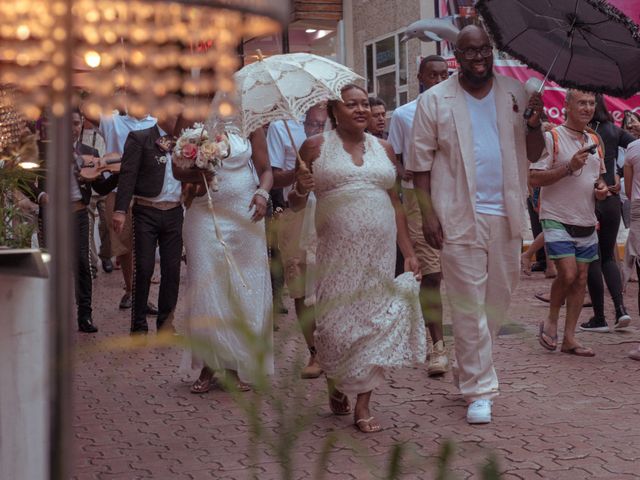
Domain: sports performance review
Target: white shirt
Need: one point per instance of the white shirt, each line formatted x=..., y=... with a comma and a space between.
x=281, y=153
x=486, y=150
x=115, y=129
x=76, y=194
x=400, y=137
x=171, y=188
x=571, y=199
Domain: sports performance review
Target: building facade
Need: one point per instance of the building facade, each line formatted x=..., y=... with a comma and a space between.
x=373, y=48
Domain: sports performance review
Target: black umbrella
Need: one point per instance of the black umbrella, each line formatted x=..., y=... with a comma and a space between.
x=584, y=44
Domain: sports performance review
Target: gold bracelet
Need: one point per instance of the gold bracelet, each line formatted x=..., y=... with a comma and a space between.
x=297, y=192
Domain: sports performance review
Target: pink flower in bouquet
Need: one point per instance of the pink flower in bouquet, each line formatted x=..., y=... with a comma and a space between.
x=190, y=151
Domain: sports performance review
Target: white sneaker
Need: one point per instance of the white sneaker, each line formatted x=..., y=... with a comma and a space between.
x=479, y=411
x=438, y=360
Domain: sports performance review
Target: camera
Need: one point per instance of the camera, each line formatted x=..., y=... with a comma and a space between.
x=591, y=148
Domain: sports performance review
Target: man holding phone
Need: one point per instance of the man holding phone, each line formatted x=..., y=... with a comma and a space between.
x=570, y=174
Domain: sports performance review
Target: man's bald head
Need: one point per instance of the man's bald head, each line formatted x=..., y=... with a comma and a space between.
x=475, y=57
x=472, y=32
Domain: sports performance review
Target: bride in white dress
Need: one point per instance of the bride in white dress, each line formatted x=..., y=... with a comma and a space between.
x=229, y=323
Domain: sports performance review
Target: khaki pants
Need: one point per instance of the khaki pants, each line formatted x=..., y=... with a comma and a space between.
x=289, y=228
x=428, y=256
x=121, y=244
x=479, y=281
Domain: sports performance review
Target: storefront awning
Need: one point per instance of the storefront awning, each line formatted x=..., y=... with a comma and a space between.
x=306, y=10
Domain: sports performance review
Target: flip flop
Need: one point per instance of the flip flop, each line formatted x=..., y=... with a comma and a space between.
x=364, y=425
x=546, y=299
x=635, y=354
x=542, y=297
x=549, y=346
x=202, y=386
x=579, y=351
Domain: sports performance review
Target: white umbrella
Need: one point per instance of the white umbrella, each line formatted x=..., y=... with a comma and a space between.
x=284, y=87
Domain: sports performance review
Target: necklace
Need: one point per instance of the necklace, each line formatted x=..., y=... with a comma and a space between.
x=572, y=129
x=580, y=143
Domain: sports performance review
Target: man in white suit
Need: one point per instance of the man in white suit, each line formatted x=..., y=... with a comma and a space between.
x=470, y=171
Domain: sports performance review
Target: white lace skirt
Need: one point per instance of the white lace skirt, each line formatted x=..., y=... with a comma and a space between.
x=229, y=324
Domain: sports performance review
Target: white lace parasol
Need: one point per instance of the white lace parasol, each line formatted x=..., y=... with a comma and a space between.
x=284, y=87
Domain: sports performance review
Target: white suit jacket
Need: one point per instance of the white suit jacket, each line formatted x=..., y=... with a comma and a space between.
x=443, y=145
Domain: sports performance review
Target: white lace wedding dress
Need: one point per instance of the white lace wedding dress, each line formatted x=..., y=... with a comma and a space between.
x=366, y=322
x=231, y=325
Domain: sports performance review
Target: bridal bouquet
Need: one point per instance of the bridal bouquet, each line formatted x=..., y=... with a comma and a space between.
x=197, y=148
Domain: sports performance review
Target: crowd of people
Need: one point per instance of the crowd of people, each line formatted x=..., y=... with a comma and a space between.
x=366, y=228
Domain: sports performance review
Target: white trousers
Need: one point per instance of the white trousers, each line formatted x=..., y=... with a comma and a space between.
x=479, y=281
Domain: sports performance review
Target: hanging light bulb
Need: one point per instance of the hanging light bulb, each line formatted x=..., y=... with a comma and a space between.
x=92, y=59
x=128, y=45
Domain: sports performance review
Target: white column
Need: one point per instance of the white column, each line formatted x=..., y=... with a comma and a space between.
x=24, y=374
x=347, y=27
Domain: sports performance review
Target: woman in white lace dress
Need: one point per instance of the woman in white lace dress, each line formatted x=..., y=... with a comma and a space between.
x=232, y=320
x=366, y=321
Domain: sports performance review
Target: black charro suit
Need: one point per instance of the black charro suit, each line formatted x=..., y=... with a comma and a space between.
x=83, y=282
x=142, y=174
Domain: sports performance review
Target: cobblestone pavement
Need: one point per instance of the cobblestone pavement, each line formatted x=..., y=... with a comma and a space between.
x=558, y=416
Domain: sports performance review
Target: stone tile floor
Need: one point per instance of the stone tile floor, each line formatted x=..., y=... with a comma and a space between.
x=558, y=416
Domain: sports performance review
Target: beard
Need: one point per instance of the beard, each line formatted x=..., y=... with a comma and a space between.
x=477, y=80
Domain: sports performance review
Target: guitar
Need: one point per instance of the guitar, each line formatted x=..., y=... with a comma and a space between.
x=92, y=168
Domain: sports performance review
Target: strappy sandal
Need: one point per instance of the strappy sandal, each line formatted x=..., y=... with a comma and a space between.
x=339, y=403
x=365, y=426
x=202, y=386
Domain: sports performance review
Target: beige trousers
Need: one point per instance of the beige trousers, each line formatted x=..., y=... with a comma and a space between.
x=479, y=280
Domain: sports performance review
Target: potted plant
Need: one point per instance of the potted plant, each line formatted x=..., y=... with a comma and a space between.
x=18, y=173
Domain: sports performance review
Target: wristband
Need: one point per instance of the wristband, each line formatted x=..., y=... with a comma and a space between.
x=262, y=193
x=533, y=129
x=569, y=171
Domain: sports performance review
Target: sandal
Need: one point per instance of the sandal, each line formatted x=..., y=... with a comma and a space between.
x=525, y=264
x=202, y=386
x=579, y=351
x=238, y=386
x=339, y=403
x=243, y=387
x=545, y=344
x=231, y=378
x=366, y=425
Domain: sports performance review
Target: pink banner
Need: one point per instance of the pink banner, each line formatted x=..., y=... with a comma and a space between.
x=631, y=8
x=554, y=95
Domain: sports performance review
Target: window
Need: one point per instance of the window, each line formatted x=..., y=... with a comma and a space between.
x=386, y=69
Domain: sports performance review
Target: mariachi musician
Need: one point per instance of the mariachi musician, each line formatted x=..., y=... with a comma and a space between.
x=81, y=183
